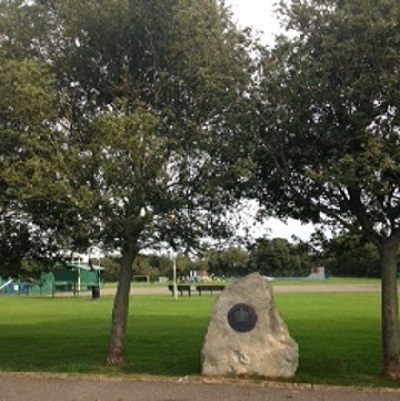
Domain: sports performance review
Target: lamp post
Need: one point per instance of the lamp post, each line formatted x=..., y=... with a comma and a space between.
x=171, y=218
x=175, y=287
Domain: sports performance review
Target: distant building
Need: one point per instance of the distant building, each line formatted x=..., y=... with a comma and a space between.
x=63, y=277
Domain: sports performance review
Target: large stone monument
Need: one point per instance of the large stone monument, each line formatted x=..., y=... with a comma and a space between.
x=247, y=336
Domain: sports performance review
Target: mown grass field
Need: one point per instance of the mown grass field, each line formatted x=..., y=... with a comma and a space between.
x=338, y=335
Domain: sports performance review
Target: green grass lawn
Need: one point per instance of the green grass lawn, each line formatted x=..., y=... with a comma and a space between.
x=338, y=335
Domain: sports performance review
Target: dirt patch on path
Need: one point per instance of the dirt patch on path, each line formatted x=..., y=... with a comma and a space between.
x=298, y=288
x=316, y=288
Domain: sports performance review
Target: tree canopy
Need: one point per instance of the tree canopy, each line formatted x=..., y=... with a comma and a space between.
x=149, y=94
x=32, y=164
x=327, y=148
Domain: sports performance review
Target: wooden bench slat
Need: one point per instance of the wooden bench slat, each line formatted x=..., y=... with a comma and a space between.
x=200, y=288
x=211, y=288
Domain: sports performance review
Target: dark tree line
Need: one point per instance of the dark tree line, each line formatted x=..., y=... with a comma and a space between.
x=343, y=256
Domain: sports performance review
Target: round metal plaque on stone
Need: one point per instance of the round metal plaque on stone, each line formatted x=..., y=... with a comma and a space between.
x=242, y=318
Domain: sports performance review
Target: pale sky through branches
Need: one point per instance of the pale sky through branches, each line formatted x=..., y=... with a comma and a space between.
x=259, y=15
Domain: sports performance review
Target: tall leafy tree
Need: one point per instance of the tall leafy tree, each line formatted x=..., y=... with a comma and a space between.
x=277, y=257
x=152, y=92
x=328, y=142
x=32, y=163
x=233, y=261
x=350, y=255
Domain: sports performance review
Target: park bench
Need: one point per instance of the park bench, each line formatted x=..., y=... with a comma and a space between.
x=210, y=288
x=181, y=288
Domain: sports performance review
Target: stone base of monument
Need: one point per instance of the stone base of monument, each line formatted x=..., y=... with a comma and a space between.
x=247, y=335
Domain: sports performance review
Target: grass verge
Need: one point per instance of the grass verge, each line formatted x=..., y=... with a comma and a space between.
x=338, y=335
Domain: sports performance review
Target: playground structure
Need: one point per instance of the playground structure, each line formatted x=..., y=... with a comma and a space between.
x=318, y=273
x=63, y=278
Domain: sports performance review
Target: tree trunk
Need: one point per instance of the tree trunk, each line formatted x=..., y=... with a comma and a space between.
x=116, y=345
x=390, y=309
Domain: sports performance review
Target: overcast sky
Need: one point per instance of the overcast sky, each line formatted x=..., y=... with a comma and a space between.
x=257, y=14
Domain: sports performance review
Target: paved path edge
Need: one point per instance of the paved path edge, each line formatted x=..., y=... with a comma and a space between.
x=251, y=383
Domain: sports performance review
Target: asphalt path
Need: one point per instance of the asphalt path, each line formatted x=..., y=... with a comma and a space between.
x=31, y=387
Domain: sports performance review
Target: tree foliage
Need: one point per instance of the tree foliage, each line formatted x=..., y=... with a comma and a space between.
x=32, y=164
x=278, y=257
x=148, y=94
x=231, y=262
x=328, y=143
x=351, y=256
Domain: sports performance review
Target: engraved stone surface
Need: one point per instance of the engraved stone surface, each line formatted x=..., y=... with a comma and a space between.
x=247, y=335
